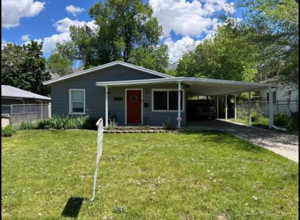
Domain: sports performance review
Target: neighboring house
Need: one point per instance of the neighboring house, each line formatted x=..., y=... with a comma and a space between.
x=12, y=95
x=285, y=96
x=133, y=95
x=19, y=105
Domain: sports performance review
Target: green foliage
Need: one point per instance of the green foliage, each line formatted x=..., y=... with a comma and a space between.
x=24, y=67
x=7, y=131
x=59, y=64
x=264, y=44
x=293, y=124
x=281, y=120
x=27, y=125
x=228, y=55
x=125, y=30
x=168, y=125
x=81, y=122
x=276, y=33
x=155, y=58
x=112, y=124
x=286, y=121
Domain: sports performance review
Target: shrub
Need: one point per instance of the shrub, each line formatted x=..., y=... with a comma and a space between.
x=90, y=123
x=7, y=131
x=281, y=120
x=293, y=124
x=168, y=125
x=27, y=125
x=81, y=122
x=289, y=122
x=112, y=124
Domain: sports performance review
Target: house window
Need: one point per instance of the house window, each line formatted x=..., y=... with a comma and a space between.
x=160, y=100
x=166, y=100
x=173, y=100
x=77, y=101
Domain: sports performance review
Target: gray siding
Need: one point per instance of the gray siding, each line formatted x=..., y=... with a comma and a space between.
x=95, y=98
x=117, y=108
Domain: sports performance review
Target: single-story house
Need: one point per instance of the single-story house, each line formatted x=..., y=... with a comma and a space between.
x=134, y=95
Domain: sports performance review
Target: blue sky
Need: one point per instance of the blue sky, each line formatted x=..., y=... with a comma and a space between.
x=185, y=22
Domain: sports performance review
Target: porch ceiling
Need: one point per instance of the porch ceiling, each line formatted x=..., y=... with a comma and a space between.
x=195, y=86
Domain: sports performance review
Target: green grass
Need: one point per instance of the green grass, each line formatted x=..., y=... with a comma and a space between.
x=145, y=176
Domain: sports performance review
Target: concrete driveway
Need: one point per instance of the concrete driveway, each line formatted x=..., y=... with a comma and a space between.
x=286, y=145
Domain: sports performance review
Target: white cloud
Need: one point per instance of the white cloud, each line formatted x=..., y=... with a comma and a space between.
x=14, y=10
x=188, y=17
x=178, y=48
x=74, y=10
x=25, y=37
x=62, y=27
x=50, y=42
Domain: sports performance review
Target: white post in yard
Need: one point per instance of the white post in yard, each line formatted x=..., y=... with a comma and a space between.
x=226, y=108
x=235, y=112
x=179, y=106
x=106, y=106
x=249, y=109
x=271, y=112
x=217, y=106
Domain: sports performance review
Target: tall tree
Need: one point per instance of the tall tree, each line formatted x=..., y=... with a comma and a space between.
x=276, y=24
x=225, y=56
x=59, y=64
x=153, y=58
x=24, y=67
x=124, y=28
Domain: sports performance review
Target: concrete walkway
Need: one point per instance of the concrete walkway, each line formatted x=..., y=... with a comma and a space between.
x=286, y=145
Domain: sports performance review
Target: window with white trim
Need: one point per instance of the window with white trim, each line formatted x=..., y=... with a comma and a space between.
x=166, y=100
x=77, y=101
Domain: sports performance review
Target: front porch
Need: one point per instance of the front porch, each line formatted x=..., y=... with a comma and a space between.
x=160, y=100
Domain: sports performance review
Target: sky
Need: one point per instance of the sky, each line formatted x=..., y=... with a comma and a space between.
x=186, y=23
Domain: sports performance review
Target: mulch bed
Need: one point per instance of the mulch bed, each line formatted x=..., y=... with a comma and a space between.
x=124, y=130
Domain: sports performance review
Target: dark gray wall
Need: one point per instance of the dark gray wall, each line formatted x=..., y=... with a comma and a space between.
x=95, y=97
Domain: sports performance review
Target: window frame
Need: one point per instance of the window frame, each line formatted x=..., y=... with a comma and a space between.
x=70, y=102
x=168, y=109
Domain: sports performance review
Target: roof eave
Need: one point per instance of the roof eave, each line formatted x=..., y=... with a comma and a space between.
x=106, y=66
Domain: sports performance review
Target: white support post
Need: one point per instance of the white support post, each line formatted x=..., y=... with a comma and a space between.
x=106, y=106
x=271, y=111
x=235, y=111
x=49, y=110
x=179, y=106
x=249, y=109
x=226, y=108
x=217, y=106
x=42, y=109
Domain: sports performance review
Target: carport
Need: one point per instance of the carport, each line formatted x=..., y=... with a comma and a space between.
x=196, y=87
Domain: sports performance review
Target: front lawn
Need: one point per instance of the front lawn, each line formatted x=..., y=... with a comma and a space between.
x=145, y=176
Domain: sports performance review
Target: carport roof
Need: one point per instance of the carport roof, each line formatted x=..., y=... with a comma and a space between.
x=196, y=86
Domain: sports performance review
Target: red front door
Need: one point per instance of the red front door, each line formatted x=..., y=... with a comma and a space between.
x=134, y=101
